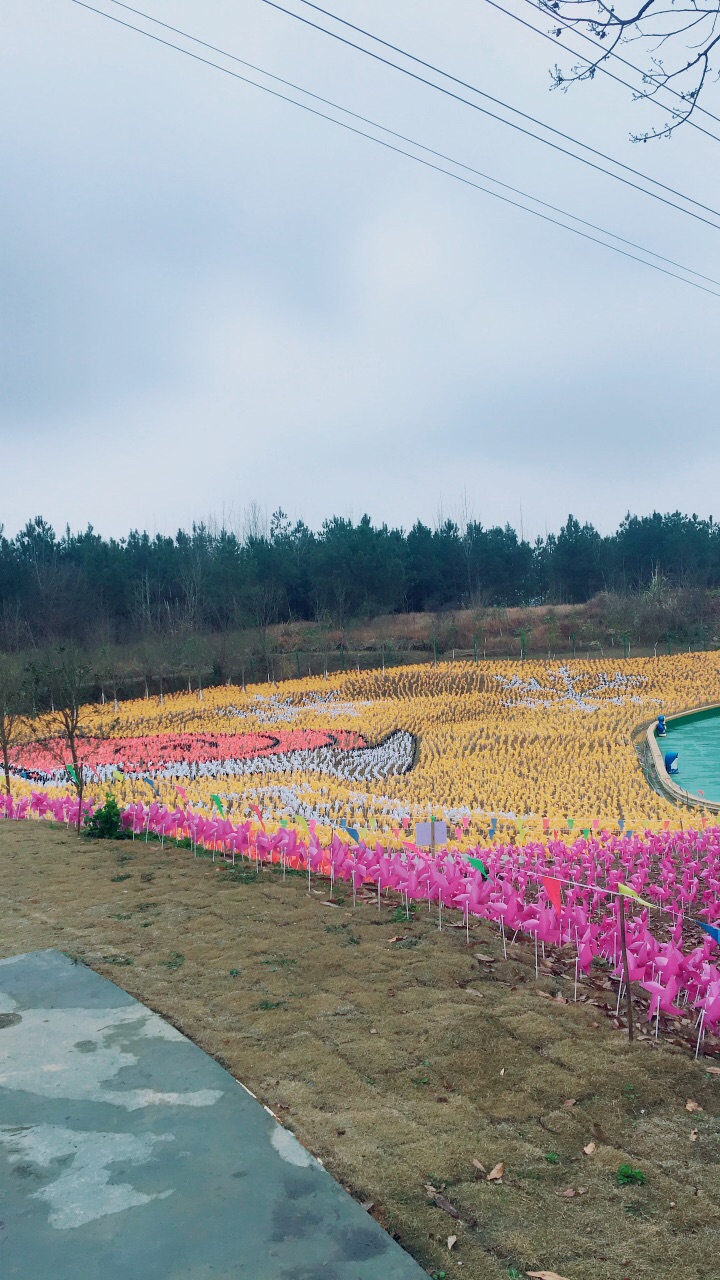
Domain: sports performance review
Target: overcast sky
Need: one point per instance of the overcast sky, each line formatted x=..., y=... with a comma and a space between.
x=209, y=298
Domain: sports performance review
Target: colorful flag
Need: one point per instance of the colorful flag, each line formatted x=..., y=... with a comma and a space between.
x=72, y=773
x=627, y=892
x=254, y=809
x=218, y=804
x=553, y=891
x=120, y=777
x=302, y=823
x=478, y=865
x=349, y=830
x=571, y=823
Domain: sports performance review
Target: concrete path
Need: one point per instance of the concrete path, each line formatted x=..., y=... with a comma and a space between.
x=126, y=1153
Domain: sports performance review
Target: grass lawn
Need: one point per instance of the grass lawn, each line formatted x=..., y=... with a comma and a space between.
x=400, y=1059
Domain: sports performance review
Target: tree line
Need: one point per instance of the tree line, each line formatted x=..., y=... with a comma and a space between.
x=86, y=589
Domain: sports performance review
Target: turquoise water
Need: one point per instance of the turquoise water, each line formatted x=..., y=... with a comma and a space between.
x=697, y=742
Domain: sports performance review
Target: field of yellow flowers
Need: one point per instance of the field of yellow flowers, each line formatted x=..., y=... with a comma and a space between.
x=507, y=747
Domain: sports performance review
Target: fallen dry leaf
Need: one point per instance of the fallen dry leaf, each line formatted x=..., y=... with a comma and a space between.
x=329, y=904
x=480, y=1167
x=568, y=1194
x=502, y=1072
x=582, y=1191
x=452, y=1240
x=545, y=1275
x=590, y=1149
x=692, y=1106
x=496, y=1173
x=694, y=1135
x=713, y=1071
x=441, y=1201
x=486, y=959
x=570, y=1102
x=400, y=938
x=473, y=992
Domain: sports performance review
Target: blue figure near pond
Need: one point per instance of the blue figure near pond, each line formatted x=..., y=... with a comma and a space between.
x=661, y=728
x=671, y=761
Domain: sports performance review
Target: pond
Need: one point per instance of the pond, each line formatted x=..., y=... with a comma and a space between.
x=696, y=738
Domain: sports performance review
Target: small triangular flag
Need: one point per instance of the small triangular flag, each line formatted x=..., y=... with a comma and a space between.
x=710, y=929
x=553, y=891
x=628, y=892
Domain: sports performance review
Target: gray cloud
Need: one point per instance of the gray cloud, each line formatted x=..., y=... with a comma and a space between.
x=208, y=298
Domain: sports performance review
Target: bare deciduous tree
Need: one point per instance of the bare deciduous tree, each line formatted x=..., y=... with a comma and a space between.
x=13, y=706
x=65, y=728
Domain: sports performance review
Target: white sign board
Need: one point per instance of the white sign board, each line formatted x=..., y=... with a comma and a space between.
x=422, y=834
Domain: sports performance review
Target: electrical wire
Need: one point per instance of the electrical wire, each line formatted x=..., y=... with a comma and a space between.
x=399, y=150
x=413, y=75
x=289, y=84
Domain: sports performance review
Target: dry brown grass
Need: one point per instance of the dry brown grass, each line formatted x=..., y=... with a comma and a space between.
x=398, y=1064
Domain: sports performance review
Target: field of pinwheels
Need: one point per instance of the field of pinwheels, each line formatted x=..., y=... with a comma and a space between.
x=551, y=820
x=515, y=749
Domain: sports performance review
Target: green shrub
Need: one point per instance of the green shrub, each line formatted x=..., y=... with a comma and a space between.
x=628, y=1177
x=105, y=823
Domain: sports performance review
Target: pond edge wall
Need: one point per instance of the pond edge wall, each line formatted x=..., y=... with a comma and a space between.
x=687, y=798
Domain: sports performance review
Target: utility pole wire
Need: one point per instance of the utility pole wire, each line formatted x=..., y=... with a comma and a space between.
x=413, y=75
x=439, y=155
x=547, y=12
x=398, y=150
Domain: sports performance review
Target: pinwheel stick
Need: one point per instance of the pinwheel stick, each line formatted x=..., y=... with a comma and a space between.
x=626, y=969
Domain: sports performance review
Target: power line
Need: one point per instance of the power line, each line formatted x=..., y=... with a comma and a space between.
x=439, y=155
x=597, y=65
x=398, y=150
x=334, y=35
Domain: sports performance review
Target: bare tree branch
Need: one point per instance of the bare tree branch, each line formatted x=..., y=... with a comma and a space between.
x=685, y=68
